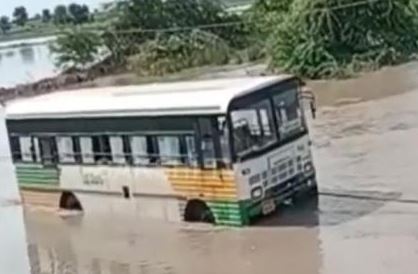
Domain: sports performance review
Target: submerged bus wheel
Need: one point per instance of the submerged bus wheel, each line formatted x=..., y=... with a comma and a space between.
x=69, y=201
x=198, y=211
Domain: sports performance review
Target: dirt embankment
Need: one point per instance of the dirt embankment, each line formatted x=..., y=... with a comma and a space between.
x=369, y=86
x=69, y=79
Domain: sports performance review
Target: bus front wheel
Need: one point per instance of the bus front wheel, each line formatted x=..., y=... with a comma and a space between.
x=198, y=211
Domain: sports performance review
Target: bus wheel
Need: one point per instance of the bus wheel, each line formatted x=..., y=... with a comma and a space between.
x=198, y=211
x=69, y=201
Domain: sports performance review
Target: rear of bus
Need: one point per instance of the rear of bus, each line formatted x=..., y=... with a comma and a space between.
x=270, y=146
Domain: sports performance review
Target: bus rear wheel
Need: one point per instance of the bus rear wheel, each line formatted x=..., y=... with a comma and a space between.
x=198, y=211
x=69, y=201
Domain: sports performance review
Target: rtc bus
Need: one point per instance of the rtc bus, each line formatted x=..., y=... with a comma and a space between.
x=222, y=151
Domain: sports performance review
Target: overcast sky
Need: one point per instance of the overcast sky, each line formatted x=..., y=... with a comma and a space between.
x=36, y=6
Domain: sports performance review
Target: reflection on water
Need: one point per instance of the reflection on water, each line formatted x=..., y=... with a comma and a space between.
x=25, y=64
x=28, y=55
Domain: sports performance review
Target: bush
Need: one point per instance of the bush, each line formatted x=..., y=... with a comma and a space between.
x=320, y=38
x=76, y=48
x=173, y=53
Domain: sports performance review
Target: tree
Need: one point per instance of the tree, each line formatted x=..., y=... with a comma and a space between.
x=37, y=17
x=76, y=48
x=20, y=16
x=321, y=38
x=79, y=13
x=5, y=24
x=46, y=16
x=61, y=15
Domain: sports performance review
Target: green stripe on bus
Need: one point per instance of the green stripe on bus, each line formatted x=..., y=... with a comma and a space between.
x=227, y=213
x=36, y=175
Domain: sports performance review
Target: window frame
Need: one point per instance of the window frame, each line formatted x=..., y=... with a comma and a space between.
x=255, y=106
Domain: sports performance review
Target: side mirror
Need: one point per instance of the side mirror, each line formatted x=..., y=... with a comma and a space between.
x=307, y=94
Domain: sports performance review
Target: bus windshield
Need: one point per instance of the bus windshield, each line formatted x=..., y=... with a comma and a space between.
x=289, y=113
x=278, y=117
x=253, y=127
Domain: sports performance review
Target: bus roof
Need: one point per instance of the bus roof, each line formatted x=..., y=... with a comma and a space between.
x=160, y=99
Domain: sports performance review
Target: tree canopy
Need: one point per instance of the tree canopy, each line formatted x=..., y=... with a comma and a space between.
x=61, y=15
x=5, y=24
x=321, y=38
x=21, y=16
x=46, y=16
x=79, y=14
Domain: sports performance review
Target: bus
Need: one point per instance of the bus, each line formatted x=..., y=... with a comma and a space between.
x=221, y=151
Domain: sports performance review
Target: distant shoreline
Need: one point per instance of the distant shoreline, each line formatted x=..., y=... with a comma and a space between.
x=17, y=43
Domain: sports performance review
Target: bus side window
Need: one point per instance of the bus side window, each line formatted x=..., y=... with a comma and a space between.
x=86, y=148
x=139, y=150
x=77, y=149
x=65, y=147
x=169, y=148
x=188, y=151
x=15, y=149
x=101, y=149
x=117, y=148
x=48, y=150
x=210, y=148
x=127, y=150
x=26, y=148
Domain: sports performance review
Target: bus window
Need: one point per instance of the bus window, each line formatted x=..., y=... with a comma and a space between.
x=26, y=147
x=86, y=148
x=36, y=152
x=117, y=148
x=66, y=150
x=189, y=151
x=289, y=113
x=224, y=144
x=139, y=150
x=207, y=129
x=48, y=150
x=169, y=148
x=77, y=149
x=101, y=149
x=15, y=149
x=253, y=127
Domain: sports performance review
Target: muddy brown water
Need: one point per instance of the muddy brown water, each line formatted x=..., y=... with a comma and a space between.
x=366, y=152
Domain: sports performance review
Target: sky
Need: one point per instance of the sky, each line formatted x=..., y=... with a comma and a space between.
x=36, y=6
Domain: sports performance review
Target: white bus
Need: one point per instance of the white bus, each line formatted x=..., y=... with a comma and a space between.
x=221, y=151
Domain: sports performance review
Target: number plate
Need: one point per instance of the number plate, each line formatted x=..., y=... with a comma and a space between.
x=268, y=206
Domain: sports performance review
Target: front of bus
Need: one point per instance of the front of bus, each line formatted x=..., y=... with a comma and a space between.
x=270, y=147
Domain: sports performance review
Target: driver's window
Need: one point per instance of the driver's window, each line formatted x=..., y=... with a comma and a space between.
x=253, y=127
x=289, y=113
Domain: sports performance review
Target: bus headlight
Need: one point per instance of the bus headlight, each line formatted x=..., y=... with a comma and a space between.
x=256, y=192
x=308, y=168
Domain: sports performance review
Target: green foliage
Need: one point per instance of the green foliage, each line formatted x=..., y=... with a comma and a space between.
x=61, y=15
x=5, y=24
x=76, y=48
x=154, y=50
x=20, y=16
x=319, y=39
x=79, y=14
x=46, y=16
x=168, y=54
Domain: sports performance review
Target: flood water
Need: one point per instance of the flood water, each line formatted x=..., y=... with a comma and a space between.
x=365, y=221
x=22, y=62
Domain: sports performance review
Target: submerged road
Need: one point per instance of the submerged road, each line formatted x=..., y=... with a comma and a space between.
x=364, y=222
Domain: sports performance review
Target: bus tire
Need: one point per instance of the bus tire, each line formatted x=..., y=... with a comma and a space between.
x=69, y=201
x=198, y=211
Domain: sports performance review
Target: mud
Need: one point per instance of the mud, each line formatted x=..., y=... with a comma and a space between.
x=364, y=222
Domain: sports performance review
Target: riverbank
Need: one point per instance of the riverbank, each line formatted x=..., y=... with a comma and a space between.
x=369, y=86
